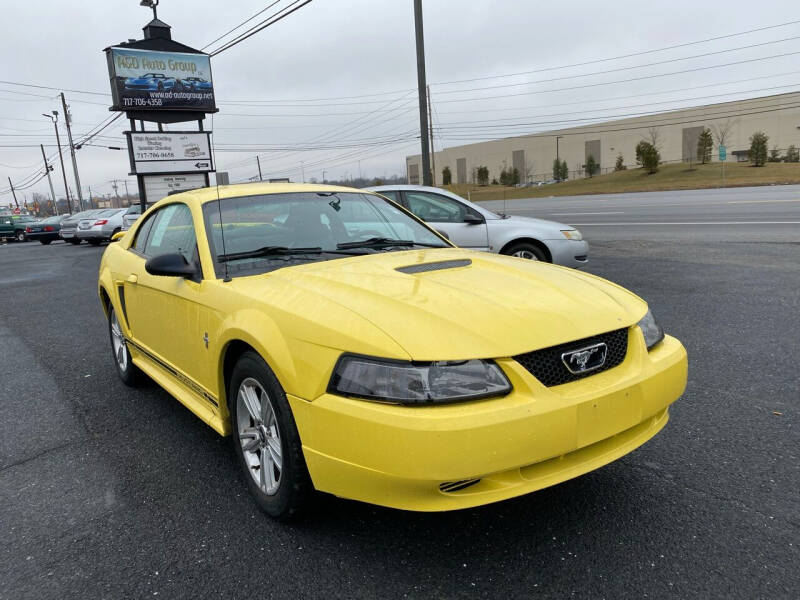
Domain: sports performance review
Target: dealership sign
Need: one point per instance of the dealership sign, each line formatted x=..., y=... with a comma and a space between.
x=169, y=152
x=155, y=80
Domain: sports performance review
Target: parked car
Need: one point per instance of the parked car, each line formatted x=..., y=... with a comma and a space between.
x=46, y=230
x=469, y=225
x=132, y=214
x=13, y=226
x=100, y=227
x=151, y=82
x=69, y=226
x=418, y=375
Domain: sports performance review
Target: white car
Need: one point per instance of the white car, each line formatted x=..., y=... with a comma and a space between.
x=471, y=226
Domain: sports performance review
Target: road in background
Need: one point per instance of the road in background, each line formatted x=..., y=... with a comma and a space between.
x=111, y=492
x=730, y=214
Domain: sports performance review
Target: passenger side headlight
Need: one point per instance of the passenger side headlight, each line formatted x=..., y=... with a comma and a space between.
x=652, y=331
x=400, y=382
x=572, y=234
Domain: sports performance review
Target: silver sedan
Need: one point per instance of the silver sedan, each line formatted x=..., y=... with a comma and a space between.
x=469, y=225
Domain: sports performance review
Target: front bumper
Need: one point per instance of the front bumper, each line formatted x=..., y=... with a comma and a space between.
x=569, y=253
x=535, y=437
x=66, y=234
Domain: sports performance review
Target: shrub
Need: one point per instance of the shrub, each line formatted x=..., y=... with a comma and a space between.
x=758, y=148
x=648, y=156
x=705, y=143
x=591, y=166
x=447, y=176
x=792, y=154
x=620, y=164
x=483, y=175
x=775, y=155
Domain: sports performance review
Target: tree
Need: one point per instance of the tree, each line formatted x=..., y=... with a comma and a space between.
x=620, y=164
x=705, y=143
x=556, y=169
x=447, y=176
x=591, y=166
x=494, y=181
x=514, y=176
x=758, y=148
x=483, y=175
x=775, y=155
x=792, y=154
x=722, y=132
x=564, y=171
x=648, y=156
x=505, y=177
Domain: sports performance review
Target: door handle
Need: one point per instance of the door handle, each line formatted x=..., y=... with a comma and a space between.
x=133, y=278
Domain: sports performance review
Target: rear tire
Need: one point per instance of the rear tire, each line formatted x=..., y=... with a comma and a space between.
x=45, y=242
x=127, y=371
x=266, y=440
x=527, y=251
x=74, y=241
x=93, y=241
x=20, y=236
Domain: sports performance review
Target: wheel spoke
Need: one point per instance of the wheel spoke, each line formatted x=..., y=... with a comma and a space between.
x=250, y=401
x=274, y=447
x=262, y=472
x=269, y=472
x=266, y=409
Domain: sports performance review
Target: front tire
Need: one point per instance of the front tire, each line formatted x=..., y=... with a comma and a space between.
x=93, y=241
x=74, y=241
x=20, y=236
x=527, y=251
x=127, y=371
x=45, y=242
x=265, y=439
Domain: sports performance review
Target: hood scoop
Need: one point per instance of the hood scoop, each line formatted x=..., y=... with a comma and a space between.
x=435, y=266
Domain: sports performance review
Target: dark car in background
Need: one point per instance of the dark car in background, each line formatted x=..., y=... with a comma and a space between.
x=13, y=226
x=46, y=230
x=69, y=226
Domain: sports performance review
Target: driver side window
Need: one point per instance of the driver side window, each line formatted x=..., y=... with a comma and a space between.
x=434, y=208
x=172, y=232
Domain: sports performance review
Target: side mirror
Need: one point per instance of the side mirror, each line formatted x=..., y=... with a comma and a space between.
x=118, y=236
x=473, y=219
x=170, y=265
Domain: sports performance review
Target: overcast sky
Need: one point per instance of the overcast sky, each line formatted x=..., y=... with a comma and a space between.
x=341, y=74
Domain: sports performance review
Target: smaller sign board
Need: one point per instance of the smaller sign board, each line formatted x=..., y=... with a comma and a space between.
x=723, y=153
x=157, y=187
x=169, y=152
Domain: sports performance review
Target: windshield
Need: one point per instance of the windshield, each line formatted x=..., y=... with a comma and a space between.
x=285, y=229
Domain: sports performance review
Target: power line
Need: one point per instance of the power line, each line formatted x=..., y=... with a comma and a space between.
x=266, y=8
x=264, y=24
x=621, y=56
x=619, y=69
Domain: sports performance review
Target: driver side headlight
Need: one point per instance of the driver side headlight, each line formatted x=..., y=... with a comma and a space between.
x=653, y=333
x=572, y=234
x=399, y=382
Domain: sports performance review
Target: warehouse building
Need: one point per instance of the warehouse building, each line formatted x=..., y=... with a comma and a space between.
x=677, y=132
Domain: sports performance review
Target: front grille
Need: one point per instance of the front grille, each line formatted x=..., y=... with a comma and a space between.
x=546, y=364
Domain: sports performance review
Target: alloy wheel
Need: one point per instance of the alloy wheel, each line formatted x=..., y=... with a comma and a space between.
x=526, y=254
x=118, y=343
x=259, y=435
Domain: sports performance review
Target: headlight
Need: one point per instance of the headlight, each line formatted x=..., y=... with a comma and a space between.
x=572, y=234
x=401, y=382
x=652, y=331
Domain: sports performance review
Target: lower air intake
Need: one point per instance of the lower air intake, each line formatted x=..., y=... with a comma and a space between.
x=454, y=486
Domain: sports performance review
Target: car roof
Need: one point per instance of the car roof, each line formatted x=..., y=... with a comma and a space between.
x=406, y=187
x=209, y=194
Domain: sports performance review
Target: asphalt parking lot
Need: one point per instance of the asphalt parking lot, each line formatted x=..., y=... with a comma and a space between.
x=107, y=492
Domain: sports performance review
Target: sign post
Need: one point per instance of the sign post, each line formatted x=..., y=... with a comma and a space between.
x=723, y=156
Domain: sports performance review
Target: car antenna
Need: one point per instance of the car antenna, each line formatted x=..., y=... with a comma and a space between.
x=227, y=277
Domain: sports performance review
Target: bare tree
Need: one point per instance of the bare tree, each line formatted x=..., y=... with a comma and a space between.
x=722, y=131
x=654, y=137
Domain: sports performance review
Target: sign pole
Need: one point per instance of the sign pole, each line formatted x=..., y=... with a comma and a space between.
x=50, y=181
x=13, y=193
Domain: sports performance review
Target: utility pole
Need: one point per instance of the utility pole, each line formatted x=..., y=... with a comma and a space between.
x=116, y=194
x=91, y=204
x=50, y=181
x=54, y=118
x=72, y=151
x=421, y=87
x=302, y=172
x=323, y=176
x=13, y=193
x=127, y=195
x=258, y=162
x=430, y=127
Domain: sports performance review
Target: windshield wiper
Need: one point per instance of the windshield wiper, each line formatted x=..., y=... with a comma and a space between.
x=383, y=242
x=268, y=251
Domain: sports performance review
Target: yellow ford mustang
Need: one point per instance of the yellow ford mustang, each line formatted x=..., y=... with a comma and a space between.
x=351, y=349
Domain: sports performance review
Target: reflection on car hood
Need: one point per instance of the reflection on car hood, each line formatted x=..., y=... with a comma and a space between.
x=495, y=306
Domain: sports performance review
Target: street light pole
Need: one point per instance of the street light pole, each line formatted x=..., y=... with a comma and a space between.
x=421, y=91
x=50, y=181
x=258, y=162
x=72, y=151
x=54, y=118
x=558, y=157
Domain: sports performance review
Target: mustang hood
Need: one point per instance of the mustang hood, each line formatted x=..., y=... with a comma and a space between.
x=455, y=304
